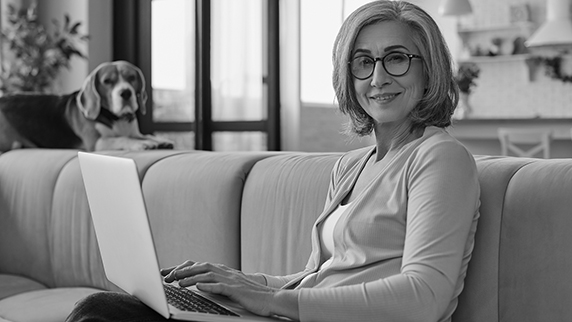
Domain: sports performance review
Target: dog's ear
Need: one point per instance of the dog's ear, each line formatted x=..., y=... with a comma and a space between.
x=88, y=99
x=142, y=92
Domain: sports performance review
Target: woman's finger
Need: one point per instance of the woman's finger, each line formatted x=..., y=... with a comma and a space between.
x=172, y=274
x=206, y=277
x=166, y=271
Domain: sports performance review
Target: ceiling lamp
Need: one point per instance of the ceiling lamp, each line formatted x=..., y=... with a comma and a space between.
x=455, y=7
x=557, y=30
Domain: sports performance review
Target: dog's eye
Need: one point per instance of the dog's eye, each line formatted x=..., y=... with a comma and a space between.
x=107, y=81
x=131, y=78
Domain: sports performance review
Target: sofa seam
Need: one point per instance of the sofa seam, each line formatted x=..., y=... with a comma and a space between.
x=51, y=214
x=264, y=156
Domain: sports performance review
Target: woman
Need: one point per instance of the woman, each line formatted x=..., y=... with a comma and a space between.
x=398, y=228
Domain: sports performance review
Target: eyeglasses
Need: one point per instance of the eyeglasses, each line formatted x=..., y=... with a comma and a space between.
x=394, y=63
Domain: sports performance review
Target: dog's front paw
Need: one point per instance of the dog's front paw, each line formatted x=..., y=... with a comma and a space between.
x=160, y=143
x=166, y=145
x=155, y=145
x=141, y=145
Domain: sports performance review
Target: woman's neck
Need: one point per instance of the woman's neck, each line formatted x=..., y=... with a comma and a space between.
x=389, y=140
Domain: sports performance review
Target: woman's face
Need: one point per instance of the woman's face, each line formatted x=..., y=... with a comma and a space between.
x=388, y=99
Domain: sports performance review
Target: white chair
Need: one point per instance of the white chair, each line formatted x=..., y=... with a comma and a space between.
x=525, y=142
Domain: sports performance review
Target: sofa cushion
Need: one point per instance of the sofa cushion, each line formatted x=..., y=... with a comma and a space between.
x=535, y=248
x=49, y=305
x=26, y=198
x=520, y=264
x=193, y=201
x=481, y=302
x=14, y=284
x=73, y=244
x=283, y=197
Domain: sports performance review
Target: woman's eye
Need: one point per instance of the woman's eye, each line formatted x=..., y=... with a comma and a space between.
x=365, y=62
x=395, y=58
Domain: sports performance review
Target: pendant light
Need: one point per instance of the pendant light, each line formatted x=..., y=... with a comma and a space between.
x=557, y=30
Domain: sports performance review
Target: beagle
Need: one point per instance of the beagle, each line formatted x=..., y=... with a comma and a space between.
x=100, y=116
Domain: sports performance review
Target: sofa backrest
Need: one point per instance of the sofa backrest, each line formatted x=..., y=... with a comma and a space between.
x=521, y=262
x=282, y=198
x=45, y=226
x=193, y=200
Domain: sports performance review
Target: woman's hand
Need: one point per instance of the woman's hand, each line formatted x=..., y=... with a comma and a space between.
x=249, y=291
x=168, y=273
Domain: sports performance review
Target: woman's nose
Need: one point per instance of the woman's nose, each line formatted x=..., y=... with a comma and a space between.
x=380, y=77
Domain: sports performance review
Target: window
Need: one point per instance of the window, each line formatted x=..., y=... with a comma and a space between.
x=172, y=60
x=317, y=42
x=213, y=70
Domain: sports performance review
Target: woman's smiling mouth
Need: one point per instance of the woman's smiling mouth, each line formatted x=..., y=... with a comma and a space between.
x=384, y=98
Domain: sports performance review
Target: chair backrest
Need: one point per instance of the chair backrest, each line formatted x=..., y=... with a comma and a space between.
x=525, y=142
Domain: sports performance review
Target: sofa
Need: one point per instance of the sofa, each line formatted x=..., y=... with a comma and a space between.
x=254, y=211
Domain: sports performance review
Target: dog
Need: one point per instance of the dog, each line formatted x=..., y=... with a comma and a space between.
x=99, y=116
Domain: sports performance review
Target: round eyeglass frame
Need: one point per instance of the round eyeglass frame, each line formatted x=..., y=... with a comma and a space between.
x=382, y=59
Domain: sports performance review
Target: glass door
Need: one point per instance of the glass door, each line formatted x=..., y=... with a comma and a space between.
x=213, y=67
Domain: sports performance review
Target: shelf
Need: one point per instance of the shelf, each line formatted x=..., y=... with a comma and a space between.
x=496, y=59
x=512, y=27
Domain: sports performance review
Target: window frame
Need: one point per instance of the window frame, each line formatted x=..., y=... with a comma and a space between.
x=132, y=42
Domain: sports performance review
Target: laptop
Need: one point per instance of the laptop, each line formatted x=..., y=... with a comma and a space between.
x=126, y=244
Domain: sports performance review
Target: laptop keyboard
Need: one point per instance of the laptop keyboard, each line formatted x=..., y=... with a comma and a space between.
x=186, y=300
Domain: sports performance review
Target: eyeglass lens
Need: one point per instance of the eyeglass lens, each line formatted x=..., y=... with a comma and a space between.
x=395, y=64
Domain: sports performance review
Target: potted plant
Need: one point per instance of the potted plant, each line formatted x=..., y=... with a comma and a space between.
x=465, y=78
x=35, y=56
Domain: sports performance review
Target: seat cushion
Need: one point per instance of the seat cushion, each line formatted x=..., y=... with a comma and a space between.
x=45, y=305
x=11, y=285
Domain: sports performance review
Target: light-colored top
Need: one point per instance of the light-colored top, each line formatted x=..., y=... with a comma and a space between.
x=403, y=245
x=327, y=231
x=327, y=238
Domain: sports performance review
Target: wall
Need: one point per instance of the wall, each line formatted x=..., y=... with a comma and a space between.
x=322, y=130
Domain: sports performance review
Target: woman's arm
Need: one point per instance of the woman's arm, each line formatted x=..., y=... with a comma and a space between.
x=259, y=301
x=443, y=194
